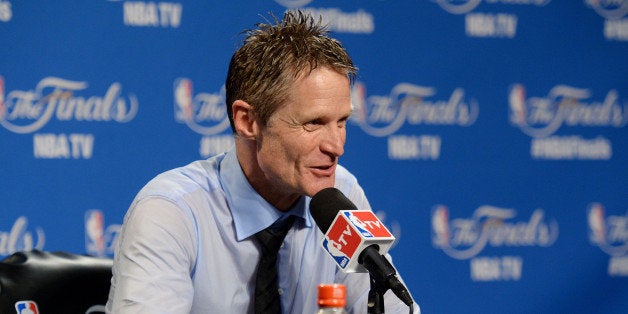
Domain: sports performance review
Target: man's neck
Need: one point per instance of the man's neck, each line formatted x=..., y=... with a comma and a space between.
x=245, y=151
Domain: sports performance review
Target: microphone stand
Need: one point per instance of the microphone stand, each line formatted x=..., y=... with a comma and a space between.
x=376, y=297
x=383, y=276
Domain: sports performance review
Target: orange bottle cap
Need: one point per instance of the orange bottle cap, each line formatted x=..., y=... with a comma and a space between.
x=332, y=295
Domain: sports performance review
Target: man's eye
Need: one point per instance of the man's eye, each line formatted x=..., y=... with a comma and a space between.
x=343, y=122
x=312, y=125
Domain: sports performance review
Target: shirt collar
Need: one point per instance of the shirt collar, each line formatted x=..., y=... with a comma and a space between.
x=251, y=212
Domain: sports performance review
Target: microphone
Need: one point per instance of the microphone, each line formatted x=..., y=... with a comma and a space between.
x=356, y=239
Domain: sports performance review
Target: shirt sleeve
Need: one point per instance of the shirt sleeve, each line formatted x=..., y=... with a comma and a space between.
x=154, y=259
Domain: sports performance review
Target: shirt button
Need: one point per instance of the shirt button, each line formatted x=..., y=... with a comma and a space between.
x=280, y=291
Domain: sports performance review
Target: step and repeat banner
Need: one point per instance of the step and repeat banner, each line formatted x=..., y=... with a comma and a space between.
x=490, y=135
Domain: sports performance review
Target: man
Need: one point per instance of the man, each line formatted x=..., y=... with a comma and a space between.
x=188, y=243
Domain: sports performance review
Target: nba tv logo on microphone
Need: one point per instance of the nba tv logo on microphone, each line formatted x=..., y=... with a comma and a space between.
x=351, y=232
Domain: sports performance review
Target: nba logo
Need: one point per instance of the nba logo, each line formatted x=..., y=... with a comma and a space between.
x=358, y=101
x=440, y=226
x=95, y=232
x=517, y=101
x=597, y=224
x=183, y=99
x=26, y=307
x=368, y=224
x=341, y=259
x=99, y=239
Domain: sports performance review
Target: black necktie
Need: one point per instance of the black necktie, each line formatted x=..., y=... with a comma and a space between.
x=266, y=286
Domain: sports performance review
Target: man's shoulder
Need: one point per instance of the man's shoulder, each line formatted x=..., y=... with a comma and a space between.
x=344, y=176
x=173, y=183
x=348, y=184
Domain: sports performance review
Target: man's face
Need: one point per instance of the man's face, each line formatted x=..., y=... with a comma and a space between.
x=298, y=149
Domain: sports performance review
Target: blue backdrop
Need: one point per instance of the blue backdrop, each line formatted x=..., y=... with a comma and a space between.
x=489, y=135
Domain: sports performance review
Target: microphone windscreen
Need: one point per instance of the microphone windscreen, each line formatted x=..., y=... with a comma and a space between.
x=326, y=204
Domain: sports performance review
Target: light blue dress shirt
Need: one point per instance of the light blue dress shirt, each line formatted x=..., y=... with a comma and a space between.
x=186, y=246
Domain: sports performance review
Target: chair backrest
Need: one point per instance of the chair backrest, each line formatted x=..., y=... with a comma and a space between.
x=58, y=282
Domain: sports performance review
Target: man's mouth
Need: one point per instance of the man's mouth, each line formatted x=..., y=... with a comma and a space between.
x=324, y=170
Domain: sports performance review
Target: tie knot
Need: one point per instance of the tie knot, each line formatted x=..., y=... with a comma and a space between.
x=272, y=237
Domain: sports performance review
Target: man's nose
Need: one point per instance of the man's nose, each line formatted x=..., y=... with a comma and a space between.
x=334, y=141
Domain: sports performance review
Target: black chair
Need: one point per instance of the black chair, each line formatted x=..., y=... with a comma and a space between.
x=57, y=282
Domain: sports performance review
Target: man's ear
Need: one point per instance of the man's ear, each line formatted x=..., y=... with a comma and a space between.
x=244, y=119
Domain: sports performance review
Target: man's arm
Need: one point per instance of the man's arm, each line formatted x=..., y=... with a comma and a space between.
x=154, y=257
